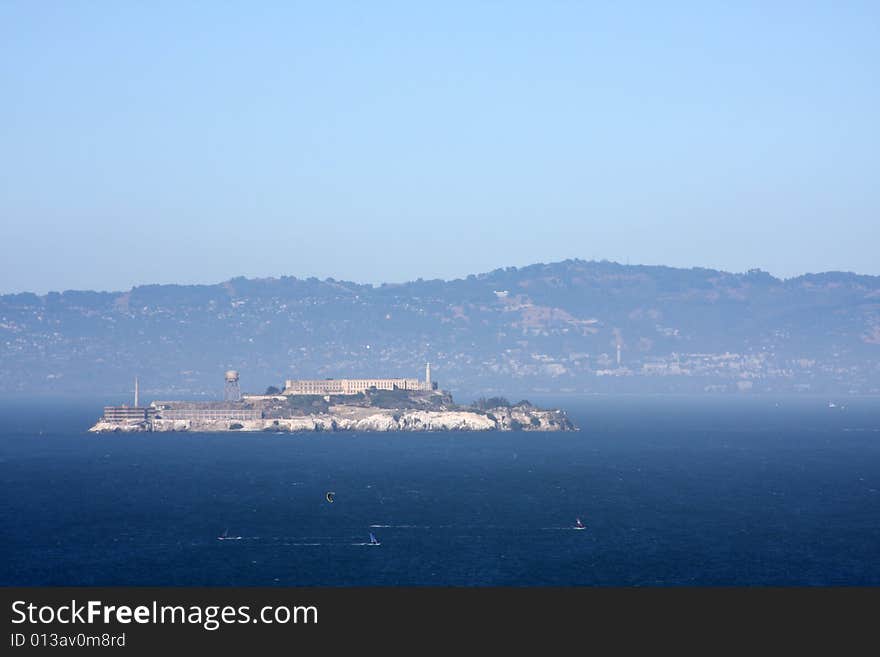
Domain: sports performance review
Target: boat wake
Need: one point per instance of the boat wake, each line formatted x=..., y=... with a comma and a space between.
x=573, y=528
x=226, y=537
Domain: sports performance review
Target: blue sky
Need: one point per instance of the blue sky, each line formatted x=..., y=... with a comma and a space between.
x=194, y=142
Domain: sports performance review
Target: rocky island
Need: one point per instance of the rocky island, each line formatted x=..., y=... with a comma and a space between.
x=336, y=405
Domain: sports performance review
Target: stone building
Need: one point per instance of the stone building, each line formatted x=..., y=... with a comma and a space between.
x=356, y=386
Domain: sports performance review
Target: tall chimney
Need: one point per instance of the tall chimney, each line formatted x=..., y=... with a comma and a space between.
x=135, y=392
x=428, y=374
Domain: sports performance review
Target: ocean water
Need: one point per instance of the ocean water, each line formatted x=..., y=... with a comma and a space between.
x=673, y=491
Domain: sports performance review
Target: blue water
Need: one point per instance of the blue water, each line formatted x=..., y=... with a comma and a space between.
x=673, y=490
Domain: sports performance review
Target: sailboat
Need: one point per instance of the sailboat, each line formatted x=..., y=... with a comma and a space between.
x=578, y=524
x=226, y=537
x=373, y=539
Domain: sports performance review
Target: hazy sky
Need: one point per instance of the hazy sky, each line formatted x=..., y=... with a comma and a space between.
x=194, y=142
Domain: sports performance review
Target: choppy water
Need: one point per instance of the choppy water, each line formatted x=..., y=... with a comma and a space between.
x=674, y=491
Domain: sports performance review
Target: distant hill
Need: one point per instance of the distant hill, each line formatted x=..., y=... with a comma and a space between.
x=551, y=328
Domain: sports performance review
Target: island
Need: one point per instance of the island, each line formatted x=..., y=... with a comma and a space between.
x=334, y=405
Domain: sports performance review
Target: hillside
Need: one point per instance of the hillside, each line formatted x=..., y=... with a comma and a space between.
x=551, y=328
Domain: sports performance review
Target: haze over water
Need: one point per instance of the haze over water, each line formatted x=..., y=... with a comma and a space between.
x=673, y=491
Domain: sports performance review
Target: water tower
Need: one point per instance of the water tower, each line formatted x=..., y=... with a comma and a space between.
x=231, y=391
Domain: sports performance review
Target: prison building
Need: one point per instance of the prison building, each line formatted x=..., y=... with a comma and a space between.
x=128, y=413
x=355, y=386
x=209, y=414
x=205, y=411
x=349, y=386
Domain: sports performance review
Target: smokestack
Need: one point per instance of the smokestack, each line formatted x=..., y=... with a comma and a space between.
x=135, y=392
x=428, y=374
x=618, y=354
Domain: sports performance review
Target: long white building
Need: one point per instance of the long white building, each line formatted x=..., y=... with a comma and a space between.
x=355, y=386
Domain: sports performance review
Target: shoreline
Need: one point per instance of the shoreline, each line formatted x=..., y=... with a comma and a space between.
x=355, y=418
